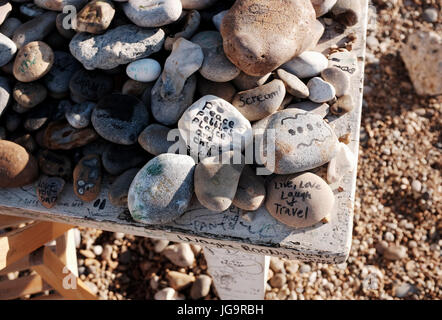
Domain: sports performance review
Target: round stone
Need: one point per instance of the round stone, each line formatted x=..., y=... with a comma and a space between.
x=59, y=135
x=303, y=141
x=117, y=158
x=261, y=35
x=300, y=200
x=95, y=17
x=144, y=70
x=28, y=95
x=7, y=49
x=17, y=167
x=201, y=287
x=120, y=118
x=87, y=178
x=320, y=90
x=216, y=67
x=79, y=116
x=430, y=15
x=54, y=164
x=293, y=84
x=33, y=61
x=308, y=64
x=162, y=189
x=88, y=85
x=48, y=190
x=251, y=192
x=258, y=103
x=223, y=90
x=120, y=188
x=154, y=140
x=339, y=79
x=152, y=13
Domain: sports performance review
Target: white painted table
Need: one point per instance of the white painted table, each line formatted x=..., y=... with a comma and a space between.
x=237, y=244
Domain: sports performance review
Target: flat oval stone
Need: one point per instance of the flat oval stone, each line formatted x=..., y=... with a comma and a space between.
x=344, y=60
x=17, y=167
x=117, y=158
x=79, y=116
x=33, y=61
x=308, y=64
x=256, y=104
x=54, y=164
x=29, y=95
x=9, y=26
x=216, y=67
x=168, y=111
x=107, y=51
x=320, y=90
x=261, y=35
x=339, y=79
x=197, y=4
x=88, y=85
x=57, y=79
x=152, y=13
x=144, y=70
x=293, y=84
x=5, y=93
x=7, y=49
x=87, y=178
x=223, y=90
x=162, y=189
x=299, y=201
x=251, y=191
x=303, y=141
x=153, y=139
x=212, y=123
x=120, y=118
x=95, y=16
x=216, y=181
x=59, y=135
x=49, y=189
x=119, y=189
x=245, y=82
x=35, y=29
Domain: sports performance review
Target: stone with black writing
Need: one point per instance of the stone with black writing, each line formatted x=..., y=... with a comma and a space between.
x=216, y=180
x=17, y=167
x=322, y=6
x=345, y=60
x=120, y=118
x=28, y=95
x=197, y=4
x=49, y=189
x=343, y=105
x=211, y=124
x=261, y=35
x=162, y=189
x=339, y=79
x=186, y=58
x=308, y=64
x=59, y=135
x=7, y=49
x=190, y=24
x=216, y=67
x=5, y=93
x=144, y=70
x=58, y=78
x=87, y=178
x=299, y=200
x=224, y=90
x=321, y=109
x=118, y=158
x=320, y=90
x=88, y=85
x=95, y=16
x=9, y=26
x=303, y=141
x=168, y=111
x=120, y=45
x=258, y=103
x=153, y=13
x=58, y=5
x=293, y=84
x=251, y=191
x=119, y=189
x=79, y=116
x=37, y=117
x=35, y=29
x=54, y=164
x=153, y=139
x=33, y=61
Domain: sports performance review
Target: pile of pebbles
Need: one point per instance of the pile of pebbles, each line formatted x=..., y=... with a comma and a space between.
x=94, y=96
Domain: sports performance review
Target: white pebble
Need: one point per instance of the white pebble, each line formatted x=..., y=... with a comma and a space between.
x=308, y=64
x=144, y=70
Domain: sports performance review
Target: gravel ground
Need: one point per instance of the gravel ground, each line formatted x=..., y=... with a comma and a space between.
x=397, y=223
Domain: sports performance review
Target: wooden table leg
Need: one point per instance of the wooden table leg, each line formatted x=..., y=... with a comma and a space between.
x=237, y=275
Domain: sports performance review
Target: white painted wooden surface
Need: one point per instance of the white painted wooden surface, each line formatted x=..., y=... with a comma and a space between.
x=253, y=233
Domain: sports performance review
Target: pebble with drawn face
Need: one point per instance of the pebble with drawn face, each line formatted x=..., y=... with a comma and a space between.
x=87, y=178
x=49, y=189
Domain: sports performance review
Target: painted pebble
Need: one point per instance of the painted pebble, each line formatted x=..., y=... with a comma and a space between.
x=144, y=70
x=49, y=189
x=299, y=201
x=162, y=189
x=33, y=61
x=87, y=178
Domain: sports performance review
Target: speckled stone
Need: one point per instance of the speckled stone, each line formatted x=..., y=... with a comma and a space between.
x=162, y=189
x=87, y=85
x=79, y=116
x=299, y=201
x=119, y=189
x=251, y=191
x=33, y=61
x=59, y=135
x=308, y=64
x=120, y=118
x=152, y=13
x=153, y=139
x=293, y=84
x=28, y=95
x=303, y=141
x=224, y=90
x=7, y=49
x=49, y=189
x=117, y=158
x=54, y=164
x=87, y=178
